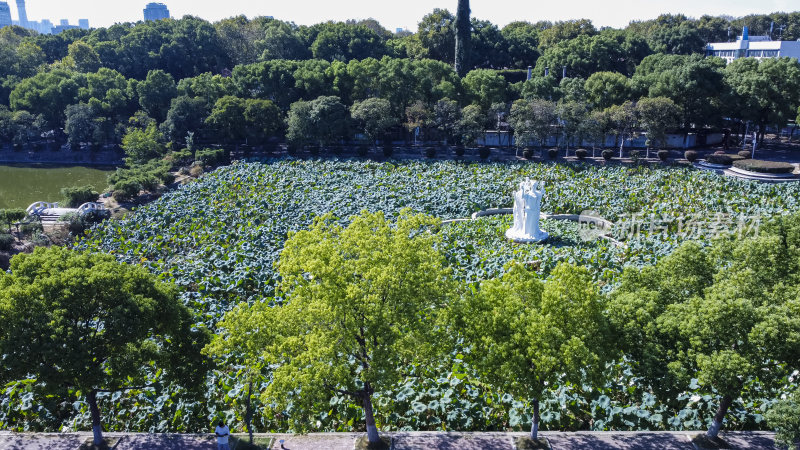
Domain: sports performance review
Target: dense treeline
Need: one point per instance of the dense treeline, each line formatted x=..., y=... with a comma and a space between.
x=240, y=80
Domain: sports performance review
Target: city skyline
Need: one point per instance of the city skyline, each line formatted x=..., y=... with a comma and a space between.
x=615, y=13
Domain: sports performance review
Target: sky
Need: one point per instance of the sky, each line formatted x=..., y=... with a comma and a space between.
x=399, y=13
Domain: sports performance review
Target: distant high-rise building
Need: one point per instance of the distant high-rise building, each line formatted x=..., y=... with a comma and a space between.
x=23, y=14
x=64, y=22
x=45, y=26
x=5, y=15
x=83, y=24
x=156, y=11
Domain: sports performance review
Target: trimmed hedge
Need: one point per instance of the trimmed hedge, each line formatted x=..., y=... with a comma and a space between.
x=663, y=155
x=757, y=165
x=210, y=156
x=724, y=160
x=552, y=153
x=484, y=152
x=581, y=153
x=744, y=154
x=608, y=154
x=690, y=155
x=527, y=153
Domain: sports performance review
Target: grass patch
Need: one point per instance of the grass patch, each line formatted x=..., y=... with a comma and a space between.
x=526, y=443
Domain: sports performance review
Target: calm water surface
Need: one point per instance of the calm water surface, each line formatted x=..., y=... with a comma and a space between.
x=22, y=185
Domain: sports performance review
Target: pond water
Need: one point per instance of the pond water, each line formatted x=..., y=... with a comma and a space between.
x=22, y=185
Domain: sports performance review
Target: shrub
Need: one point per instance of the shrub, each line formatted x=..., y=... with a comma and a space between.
x=581, y=153
x=388, y=150
x=721, y=159
x=6, y=241
x=527, y=153
x=552, y=153
x=608, y=154
x=784, y=417
x=757, y=165
x=484, y=152
x=720, y=152
x=362, y=150
x=11, y=216
x=459, y=151
x=635, y=156
x=735, y=158
x=196, y=171
x=29, y=228
x=663, y=155
x=744, y=154
x=126, y=190
x=430, y=152
x=690, y=155
x=210, y=156
x=77, y=195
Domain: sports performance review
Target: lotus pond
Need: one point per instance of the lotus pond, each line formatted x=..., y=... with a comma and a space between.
x=218, y=238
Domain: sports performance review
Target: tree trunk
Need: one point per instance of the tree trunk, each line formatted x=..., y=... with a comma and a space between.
x=248, y=416
x=463, y=35
x=97, y=428
x=535, y=421
x=372, y=431
x=724, y=404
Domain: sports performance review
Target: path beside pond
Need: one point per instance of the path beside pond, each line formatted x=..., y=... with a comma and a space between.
x=402, y=441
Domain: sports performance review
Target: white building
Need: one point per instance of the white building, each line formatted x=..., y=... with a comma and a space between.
x=759, y=47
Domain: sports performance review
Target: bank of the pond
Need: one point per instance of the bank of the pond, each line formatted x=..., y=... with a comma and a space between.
x=22, y=185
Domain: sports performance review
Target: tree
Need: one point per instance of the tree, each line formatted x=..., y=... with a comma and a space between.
x=375, y=116
x=605, y=89
x=765, y=92
x=81, y=125
x=323, y=120
x=83, y=57
x=572, y=116
x=522, y=39
x=656, y=116
x=343, y=42
x=724, y=315
x=436, y=37
x=526, y=336
x=565, y=31
x=156, y=93
x=485, y=87
x=227, y=118
x=471, y=126
x=446, y=115
x=263, y=119
x=625, y=120
x=463, y=30
x=143, y=145
x=360, y=304
x=87, y=322
x=186, y=115
x=532, y=119
x=48, y=94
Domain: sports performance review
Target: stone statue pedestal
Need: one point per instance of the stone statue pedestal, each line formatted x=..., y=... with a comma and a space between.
x=527, y=211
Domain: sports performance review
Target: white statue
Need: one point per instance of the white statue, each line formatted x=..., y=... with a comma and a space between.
x=527, y=208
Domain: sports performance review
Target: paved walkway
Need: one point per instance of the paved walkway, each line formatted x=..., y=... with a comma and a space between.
x=402, y=441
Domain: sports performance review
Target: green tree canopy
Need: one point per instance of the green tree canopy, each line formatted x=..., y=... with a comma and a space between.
x=726, y=315
x=526, y=336
x=359, y=305
x=86, y=322
x=375, y=117
x=156, y=93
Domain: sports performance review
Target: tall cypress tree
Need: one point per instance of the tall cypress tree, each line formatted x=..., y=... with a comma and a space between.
x=463, y=31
